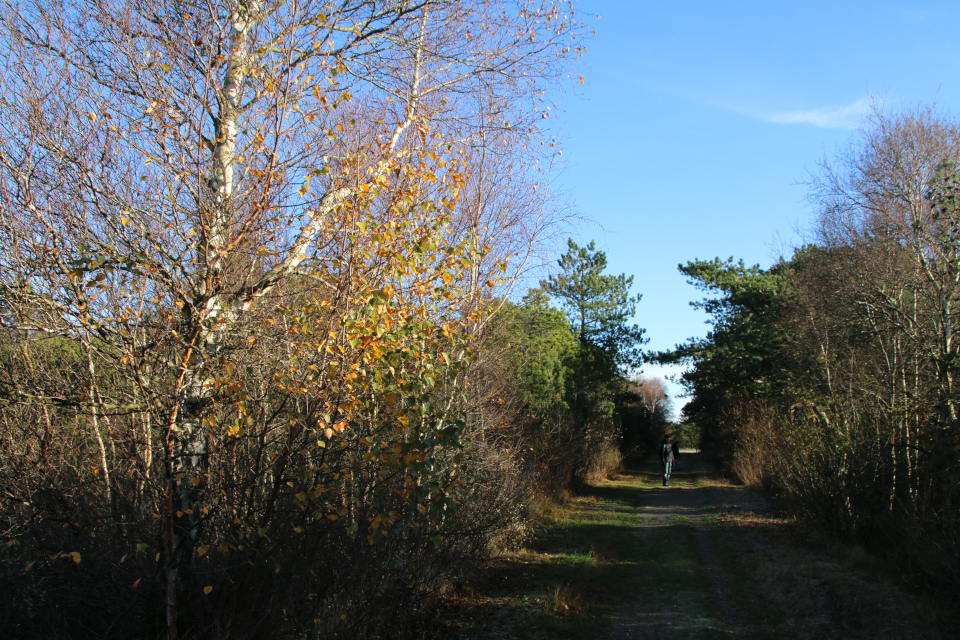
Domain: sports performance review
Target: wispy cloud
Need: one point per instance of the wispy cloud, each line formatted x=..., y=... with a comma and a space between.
x=842, y=117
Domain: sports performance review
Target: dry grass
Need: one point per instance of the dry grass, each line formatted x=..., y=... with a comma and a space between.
x=828, y=588
x=603, y=553
x=564, y=583
x=562, y=601
x=605, y=463
x=550, y=511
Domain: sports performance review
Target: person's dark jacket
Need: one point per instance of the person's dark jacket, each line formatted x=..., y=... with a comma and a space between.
x=676, y=450
x=666, y=452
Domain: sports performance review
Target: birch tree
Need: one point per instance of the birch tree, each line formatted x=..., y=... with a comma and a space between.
x=174, y=175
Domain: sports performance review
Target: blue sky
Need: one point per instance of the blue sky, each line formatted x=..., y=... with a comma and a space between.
x=698, y=122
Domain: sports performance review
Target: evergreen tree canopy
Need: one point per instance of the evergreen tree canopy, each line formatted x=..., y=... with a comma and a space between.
x=597, y=305
x=543, y=345
x=740, y=357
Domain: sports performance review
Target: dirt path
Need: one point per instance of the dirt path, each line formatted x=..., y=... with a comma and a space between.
x=629, y=559
x=716, y=561
x=677, y=606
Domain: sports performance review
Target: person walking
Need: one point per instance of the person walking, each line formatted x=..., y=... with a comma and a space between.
x=666, y=457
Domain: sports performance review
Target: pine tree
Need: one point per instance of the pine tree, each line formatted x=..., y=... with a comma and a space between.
x=597, y=305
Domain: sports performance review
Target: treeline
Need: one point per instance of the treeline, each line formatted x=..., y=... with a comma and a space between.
x=260, y=377
x=573, y=410
x=832, y=376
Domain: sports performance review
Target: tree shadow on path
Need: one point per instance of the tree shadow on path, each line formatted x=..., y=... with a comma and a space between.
x=700, y=559
x=716, y=560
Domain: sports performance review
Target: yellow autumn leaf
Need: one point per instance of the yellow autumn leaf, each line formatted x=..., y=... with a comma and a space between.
x=207, y=590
